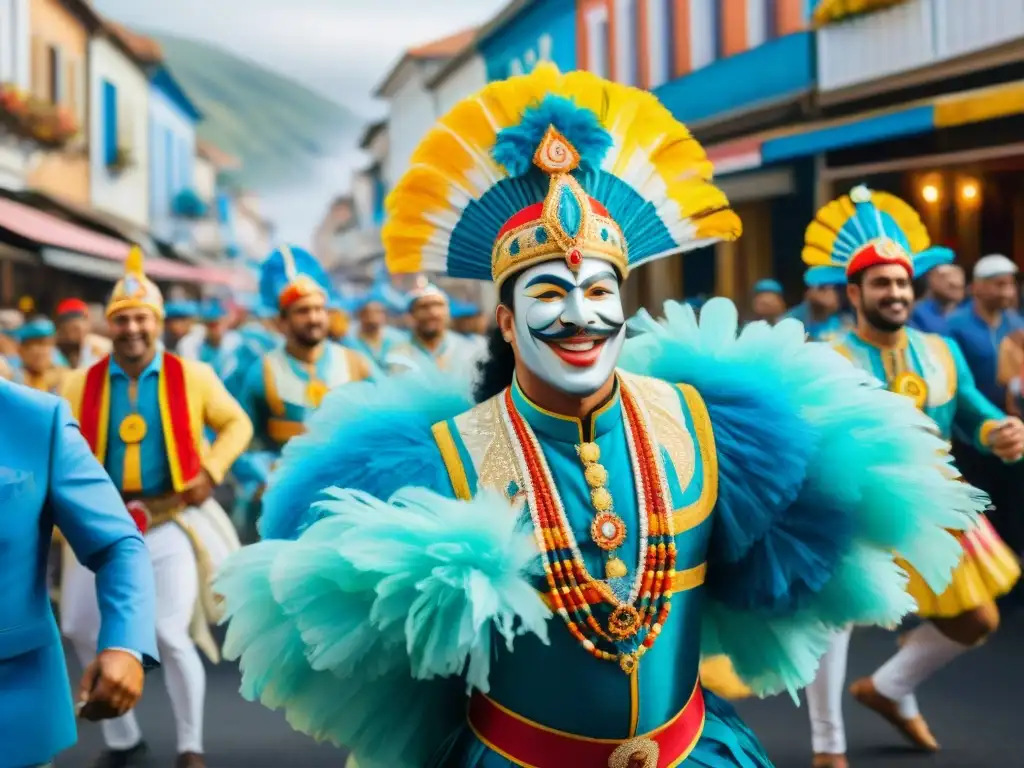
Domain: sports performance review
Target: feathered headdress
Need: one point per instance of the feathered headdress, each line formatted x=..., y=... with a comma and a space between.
x=863, y=229
x=135, y=290
x=289, y=274
x=545, y=166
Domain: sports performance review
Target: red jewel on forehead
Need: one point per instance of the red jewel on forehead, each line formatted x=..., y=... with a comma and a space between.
x=574, y=259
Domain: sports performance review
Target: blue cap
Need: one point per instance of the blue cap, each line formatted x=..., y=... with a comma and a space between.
x=176, y=310
x=38, y=328
x=768, y=286
x=213, y=310
x=463, y=309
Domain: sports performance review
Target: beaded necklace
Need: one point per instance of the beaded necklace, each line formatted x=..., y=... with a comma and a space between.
x=635, y=622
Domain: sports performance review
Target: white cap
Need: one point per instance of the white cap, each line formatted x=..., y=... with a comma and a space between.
x=994, y=265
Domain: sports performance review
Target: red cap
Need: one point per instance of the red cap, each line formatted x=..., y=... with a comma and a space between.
x=883, y=251
x=70, y=307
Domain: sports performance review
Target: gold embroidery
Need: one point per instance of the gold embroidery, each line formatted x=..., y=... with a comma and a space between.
x=668, y=423
x=488, y=446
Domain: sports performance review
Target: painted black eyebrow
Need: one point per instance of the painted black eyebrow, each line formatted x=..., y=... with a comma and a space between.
x=565, y=285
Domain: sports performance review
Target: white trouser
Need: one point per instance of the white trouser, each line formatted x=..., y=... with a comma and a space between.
x=177, y=588
x=825, y=698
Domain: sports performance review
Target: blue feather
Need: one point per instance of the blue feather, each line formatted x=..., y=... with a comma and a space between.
x=929, y=258
x=373, y=437
x=515, y=146
x=823, y=475
x=274, y=277
x=381, y=603
x=816, y=277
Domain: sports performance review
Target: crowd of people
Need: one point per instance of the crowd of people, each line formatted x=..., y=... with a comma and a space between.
x=588, y=531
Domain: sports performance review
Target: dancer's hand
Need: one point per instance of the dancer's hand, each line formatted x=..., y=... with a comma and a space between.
x=110, y=686
x=199, y=491
x=1007, y=439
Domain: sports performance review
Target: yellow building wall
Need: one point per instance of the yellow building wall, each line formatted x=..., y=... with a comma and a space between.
x=61, y=173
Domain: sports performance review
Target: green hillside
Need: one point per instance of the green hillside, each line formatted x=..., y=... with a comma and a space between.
x=276, y=126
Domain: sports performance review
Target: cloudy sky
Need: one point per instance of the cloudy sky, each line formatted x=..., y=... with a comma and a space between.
x=341, y=48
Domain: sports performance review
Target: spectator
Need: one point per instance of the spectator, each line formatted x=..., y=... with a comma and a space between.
x=980, y=327
x=944, y=294
x=768, y=303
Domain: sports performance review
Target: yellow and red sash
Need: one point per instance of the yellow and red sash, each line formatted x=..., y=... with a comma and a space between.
x=182, y=447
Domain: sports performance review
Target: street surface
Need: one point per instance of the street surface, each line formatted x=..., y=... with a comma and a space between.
x=972, y=707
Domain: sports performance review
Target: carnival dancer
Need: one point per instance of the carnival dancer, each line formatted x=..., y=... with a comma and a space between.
x=37, y=341
x=878, y=245
x=219, y=343
x=655, y=513
x=293, y=378
x=79, y=347
x=372, y=335
x=143, y=411
x=432, y=345
x=181, y=335
x=48, y=477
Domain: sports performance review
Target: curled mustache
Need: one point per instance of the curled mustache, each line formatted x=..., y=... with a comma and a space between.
x=572, y=331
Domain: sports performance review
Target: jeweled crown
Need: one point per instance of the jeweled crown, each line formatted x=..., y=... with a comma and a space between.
x=568, y=223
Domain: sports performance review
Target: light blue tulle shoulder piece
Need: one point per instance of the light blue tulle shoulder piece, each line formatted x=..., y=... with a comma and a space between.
x=381, y=605
x=822, y=475
x=368, y=436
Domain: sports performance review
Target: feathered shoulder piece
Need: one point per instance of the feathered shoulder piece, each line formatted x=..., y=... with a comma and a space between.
x=550, y=165
x=373, y=437
x=823, y=474
x=865, y=228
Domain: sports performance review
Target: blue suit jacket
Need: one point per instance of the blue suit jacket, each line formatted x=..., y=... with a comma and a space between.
x=48, y=476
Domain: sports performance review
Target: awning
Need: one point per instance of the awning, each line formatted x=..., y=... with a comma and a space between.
x=918, y=117
x=93, y=249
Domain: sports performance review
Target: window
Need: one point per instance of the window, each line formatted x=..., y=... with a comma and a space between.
x=626, y=39
x=597, y=41
x=55, y=67
x=705, y=33
x=660, y=41
x=110, y=128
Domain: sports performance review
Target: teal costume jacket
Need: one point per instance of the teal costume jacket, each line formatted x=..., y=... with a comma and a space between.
x=949, y=395
x=48, y=477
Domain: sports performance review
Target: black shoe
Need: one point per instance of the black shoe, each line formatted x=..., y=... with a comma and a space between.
x=123, y=758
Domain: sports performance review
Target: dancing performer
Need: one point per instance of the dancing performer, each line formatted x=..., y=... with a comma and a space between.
x=293, y=378
x=557, y=552
x=143, y=411
x=878, y=245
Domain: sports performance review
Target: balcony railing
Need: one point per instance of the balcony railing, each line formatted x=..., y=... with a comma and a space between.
x=910, y=36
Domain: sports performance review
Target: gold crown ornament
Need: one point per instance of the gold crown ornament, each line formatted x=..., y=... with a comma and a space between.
x=135, y=290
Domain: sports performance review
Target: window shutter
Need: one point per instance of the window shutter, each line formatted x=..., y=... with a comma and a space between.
x=109, y=123
x=40, y=66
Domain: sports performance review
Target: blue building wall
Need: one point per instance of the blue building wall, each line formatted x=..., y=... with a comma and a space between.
x=172, y=149
x=544, y=29
x=780, y=68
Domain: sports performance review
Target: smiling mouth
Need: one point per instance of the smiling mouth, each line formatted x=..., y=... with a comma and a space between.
x=578, y=351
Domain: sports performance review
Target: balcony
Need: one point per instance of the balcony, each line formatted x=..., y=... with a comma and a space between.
x=911, y=36
x=780, y=70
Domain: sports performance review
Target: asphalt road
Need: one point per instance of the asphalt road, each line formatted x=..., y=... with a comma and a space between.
x=972, y=707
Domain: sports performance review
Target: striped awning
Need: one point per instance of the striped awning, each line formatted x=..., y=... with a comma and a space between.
x=55, y=234
x=806, y=140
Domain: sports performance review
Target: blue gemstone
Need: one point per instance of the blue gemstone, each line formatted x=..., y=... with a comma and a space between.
x=512, y=489
x=541, y=235
x=604, y=233
x=513, y=247
x=570, y=215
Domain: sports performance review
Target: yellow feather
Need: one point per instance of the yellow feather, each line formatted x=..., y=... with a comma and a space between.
x=906, y=218
x=820, y=239
x=134, y=264
x=723, y=225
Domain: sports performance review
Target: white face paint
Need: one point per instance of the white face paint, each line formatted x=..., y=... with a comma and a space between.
x=570, y=327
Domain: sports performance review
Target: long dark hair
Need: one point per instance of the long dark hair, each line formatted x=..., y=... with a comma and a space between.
x=496, y=370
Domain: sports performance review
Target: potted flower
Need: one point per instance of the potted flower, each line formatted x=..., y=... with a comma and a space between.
x=122, y=161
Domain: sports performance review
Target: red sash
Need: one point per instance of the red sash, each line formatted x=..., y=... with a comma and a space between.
x=182, y=447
